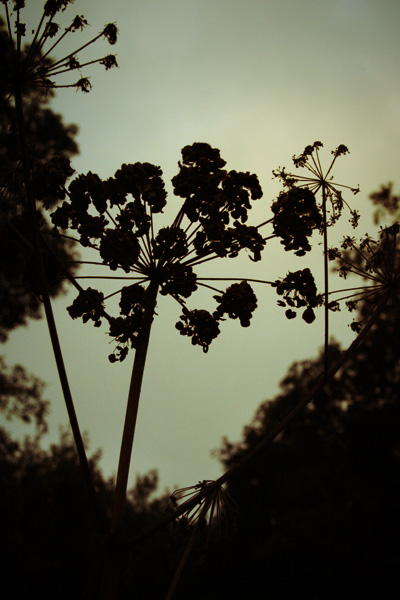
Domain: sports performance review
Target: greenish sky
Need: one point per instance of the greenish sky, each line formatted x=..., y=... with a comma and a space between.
x=260, y=80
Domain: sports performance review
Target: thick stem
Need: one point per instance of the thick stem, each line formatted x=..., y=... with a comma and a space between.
x=31, y=208
x=112, y=562
x=132, y=407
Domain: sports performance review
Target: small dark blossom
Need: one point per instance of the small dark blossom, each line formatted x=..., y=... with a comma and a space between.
x=78, y=23
x=200, y=326
x=84, y=85
x=54, y=6
x=110, y=32
x=299, y=290
x=109, y=61
x=89, y=306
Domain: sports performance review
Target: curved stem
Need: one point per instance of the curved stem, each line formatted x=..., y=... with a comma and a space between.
x=37, y=247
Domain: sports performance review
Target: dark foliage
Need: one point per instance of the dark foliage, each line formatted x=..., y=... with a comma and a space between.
x=49, y=546
x=318, y=508
x=50, y=145
x=21, y=396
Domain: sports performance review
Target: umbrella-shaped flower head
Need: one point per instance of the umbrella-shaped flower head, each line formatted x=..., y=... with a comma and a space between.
x=29, y=65
x=117, y=217
x=298, y=212
x=377, y=262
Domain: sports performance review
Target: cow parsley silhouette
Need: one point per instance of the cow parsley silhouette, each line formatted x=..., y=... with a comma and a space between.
x=116, y=217
x=31, y=66
x=377, y=261
x=300, y=192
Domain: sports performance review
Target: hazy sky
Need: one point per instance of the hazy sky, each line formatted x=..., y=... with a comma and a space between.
x=259, y=80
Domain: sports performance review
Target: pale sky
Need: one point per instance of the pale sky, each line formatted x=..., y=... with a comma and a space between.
x=259, y=80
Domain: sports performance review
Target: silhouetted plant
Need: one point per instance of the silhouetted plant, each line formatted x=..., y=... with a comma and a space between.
x=376, y=261
x=299, y=189
x=116, y=218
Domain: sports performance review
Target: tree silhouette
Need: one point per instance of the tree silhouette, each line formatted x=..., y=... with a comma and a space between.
x=318, y=510
x=48, y=138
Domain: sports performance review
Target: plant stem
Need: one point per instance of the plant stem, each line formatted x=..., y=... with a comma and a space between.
x=42, y=281
x=182, y=563
x=132, y=406
x=326, y=286
x=110, y=577
x=202, y=515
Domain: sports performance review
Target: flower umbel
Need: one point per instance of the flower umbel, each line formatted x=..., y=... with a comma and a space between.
x=300, y=196
x=376, y=261
x=319, y=180
x=217, y=509
x=31, y=66
x=116, y=217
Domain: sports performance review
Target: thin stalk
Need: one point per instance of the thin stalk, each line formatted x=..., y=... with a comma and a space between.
x=213, y=289
x=64, y=68
x=236, y=279
x=32, y=49
x=181, y=565
x=326, y=283
x=31, y=207
x=142, y=278
x=186, y=553
x=148, y=246
x=72, y=54
x=369, y=291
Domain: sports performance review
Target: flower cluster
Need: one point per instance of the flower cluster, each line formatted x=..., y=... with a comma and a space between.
x=377, y=261
x=298, y=291
x=216, y=509
x=116, y=216
x=200, y=326
x=296, y=217
x=320, y=181
x=89, y=306
x=214, y=198
x=238, y=302
x=31, y=66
